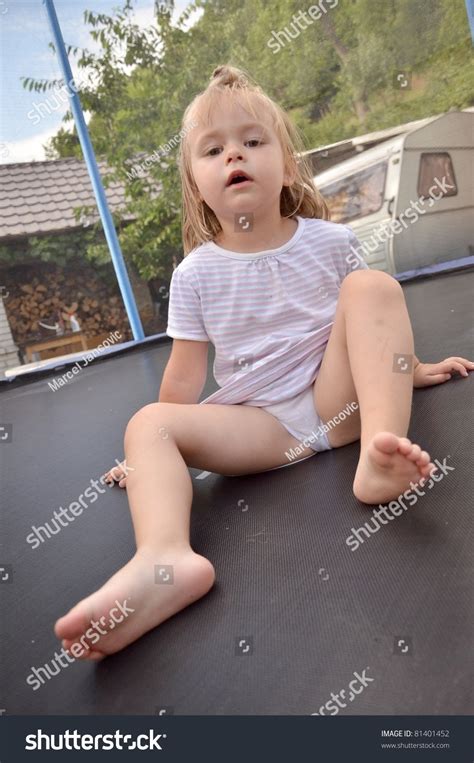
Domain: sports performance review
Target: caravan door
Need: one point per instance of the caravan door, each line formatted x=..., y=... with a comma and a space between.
x=436, y=193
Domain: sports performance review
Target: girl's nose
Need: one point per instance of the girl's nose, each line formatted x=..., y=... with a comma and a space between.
x=233, y=153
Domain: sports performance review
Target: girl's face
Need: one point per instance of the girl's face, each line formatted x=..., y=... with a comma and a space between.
x=234, y=141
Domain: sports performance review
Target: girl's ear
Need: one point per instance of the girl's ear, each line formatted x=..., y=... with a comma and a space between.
x=289, y=176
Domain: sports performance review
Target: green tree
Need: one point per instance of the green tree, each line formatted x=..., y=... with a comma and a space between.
x=336, y=78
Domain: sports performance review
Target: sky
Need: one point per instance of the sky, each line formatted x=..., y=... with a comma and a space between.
x=24, y=52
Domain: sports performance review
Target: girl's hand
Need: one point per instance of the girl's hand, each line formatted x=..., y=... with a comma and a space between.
x=428, y=374
x=117, y=474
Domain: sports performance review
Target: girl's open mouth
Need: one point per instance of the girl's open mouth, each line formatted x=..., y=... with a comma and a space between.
x=239, y=182
x=238, y=177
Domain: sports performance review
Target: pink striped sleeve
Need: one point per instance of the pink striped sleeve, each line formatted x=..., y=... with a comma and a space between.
x=185, y=319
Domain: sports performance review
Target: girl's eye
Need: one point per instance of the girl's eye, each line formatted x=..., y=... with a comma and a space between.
x=216, y=148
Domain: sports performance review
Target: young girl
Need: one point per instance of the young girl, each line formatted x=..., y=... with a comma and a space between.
x=303, y=332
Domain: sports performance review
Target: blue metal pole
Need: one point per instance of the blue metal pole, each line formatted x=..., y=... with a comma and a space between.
x=94, y=174
x=470, y=16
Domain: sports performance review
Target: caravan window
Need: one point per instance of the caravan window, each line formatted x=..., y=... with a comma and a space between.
x=356, y=195
x=436, y=166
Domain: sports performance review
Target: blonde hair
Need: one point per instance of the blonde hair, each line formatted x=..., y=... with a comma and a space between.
x=199, y=223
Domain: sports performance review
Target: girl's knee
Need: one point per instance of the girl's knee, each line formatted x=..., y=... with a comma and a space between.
x=376, y=280
x=152, y=413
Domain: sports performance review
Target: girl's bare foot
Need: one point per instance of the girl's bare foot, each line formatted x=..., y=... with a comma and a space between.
x=387, y=466
x=153, y=586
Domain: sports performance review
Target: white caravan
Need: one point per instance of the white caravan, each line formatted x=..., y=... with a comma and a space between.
x=409, y=199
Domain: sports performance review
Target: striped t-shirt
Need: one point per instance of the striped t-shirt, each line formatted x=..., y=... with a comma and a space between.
x=268, y=314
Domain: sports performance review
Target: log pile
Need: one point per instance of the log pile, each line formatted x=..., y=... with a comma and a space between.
x=43, y=292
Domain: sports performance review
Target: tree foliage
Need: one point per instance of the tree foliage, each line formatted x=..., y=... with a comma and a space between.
x=337, y=78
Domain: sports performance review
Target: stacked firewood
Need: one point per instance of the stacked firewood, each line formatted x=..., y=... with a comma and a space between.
x=51, y=292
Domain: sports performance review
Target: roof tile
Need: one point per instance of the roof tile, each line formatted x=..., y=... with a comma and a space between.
x=39, y=197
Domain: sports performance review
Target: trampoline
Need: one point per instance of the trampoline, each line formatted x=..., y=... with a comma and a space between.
x=311, y=611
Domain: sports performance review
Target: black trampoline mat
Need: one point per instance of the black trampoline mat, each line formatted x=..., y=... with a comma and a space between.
x=312, y=611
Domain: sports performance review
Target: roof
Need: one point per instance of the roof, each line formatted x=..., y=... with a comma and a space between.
x=373, y=137
x=324, y=157
x=39, y=197
x=378, y=150
x=359, y=160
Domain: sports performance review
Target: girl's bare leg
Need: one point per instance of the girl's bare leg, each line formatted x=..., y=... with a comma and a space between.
x=166, y=574
x=371, y=328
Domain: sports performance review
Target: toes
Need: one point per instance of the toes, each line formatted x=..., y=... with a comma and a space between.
x=62, y=627
x=424, y=464
x=414, y=453
x=424, y=458
x=404, y=445
x=428, y=469
x=387, y=442
x=71, y=625
x=87, y=654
